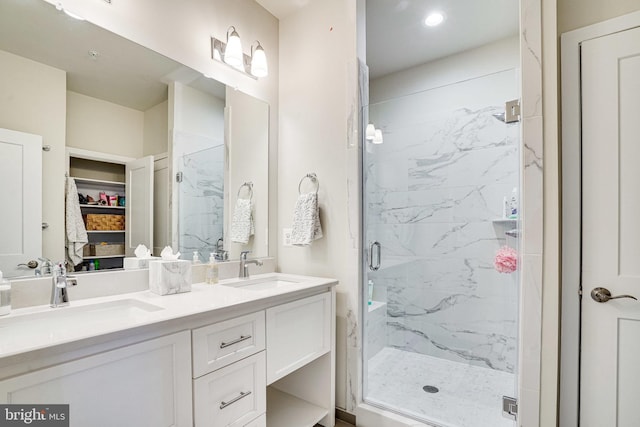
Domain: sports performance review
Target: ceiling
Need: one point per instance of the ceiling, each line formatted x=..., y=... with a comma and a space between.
x=397, y=39
x=119, y=71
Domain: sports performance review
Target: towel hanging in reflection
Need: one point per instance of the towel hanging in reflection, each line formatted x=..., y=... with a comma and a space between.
x=306, y=220
x=76, y=233
x=242, y=227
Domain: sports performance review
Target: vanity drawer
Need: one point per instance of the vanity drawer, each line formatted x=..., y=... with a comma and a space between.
x=220, y=344
x=231, y=396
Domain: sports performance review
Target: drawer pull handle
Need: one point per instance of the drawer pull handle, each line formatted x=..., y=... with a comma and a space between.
x=236, y=341
x=242, y=395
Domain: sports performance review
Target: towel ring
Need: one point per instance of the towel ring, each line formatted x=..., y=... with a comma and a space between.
x=312, y=176
x=249, y=185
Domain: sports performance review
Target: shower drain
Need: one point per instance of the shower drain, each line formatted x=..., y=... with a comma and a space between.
x=430, y=389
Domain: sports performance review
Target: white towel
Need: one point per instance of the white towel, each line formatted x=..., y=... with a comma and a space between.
x=76, y=231
x=306, y=220
x=242, y=227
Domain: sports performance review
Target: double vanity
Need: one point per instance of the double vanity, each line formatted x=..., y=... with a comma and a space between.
x=244, y=352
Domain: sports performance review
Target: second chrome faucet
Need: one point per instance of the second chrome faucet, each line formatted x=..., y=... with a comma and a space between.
x=244, y=264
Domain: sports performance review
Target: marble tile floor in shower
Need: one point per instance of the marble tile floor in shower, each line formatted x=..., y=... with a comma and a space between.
x=468, y=396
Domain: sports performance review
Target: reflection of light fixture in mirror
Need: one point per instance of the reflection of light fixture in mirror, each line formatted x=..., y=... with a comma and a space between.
x=233, y=53
x=377, y=139
x=434, y=19
x=71, y=14
x=258, y=61
x=370, y=133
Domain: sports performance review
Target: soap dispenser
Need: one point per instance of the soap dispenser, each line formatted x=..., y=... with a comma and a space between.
x=5, y=296
x=211, y=276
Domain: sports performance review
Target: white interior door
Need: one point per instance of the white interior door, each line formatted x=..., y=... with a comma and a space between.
x=610, y=341
x=21, y=195
x=139, y=199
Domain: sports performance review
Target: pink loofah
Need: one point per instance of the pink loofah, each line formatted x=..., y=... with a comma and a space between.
x=506, y=260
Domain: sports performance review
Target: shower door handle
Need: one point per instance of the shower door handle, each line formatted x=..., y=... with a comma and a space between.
x=378, y=247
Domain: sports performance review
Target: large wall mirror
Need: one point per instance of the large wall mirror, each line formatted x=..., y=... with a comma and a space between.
x=111, y=113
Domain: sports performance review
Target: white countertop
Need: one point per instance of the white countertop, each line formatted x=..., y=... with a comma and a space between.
x=41, y=327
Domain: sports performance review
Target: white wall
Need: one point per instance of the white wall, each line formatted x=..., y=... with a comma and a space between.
x=490, y=58
x=574, y=14
x=318, y=51
x=156, y=129
x=33, y=100
x=97, y=125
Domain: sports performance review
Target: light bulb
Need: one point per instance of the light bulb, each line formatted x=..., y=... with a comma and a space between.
x=370, y=133
x=233, y=52
x=259, y=62
x=377, y=139
x=433, y=19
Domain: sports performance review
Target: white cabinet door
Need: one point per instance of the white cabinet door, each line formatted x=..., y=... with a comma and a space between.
x=610, y=332
x=139, y=200
x=297, y=333
x=231, y=396
x=21, y=193
x=145, y=384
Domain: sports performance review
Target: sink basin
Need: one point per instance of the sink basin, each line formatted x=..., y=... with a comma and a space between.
x=263, y=283
x=81, y=316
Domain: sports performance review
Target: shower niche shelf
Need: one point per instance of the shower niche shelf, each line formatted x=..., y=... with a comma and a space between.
x=506, y=221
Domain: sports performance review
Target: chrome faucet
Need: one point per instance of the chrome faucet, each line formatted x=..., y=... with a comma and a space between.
x=46, y=267
x=221, y=254
x=59, y=296
x=244, y=264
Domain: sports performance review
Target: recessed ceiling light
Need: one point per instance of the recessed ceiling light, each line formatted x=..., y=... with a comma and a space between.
x=433, y=19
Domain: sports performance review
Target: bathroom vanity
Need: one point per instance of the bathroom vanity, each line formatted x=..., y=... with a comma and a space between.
x=256, y=352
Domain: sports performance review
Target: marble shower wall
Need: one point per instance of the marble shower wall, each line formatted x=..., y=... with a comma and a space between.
x=433, y=190
x=201, y=201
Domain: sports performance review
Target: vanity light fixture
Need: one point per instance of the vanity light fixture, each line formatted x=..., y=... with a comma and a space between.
x=233, y=53
x=258, y=61
x=230, y=53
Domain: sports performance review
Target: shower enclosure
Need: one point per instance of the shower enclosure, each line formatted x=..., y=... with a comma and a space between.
x=441, y=308
x=200, y=193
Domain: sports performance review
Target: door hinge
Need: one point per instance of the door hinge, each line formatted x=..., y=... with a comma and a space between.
x=179, y=177
x=512, y=111
x=510, y=408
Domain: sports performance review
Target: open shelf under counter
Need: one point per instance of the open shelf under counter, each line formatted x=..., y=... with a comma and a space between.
x=284, y=409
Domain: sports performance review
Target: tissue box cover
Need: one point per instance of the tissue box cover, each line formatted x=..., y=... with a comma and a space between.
x=169, y=277
x=135, y=263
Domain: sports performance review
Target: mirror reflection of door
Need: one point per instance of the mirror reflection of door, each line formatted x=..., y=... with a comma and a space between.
x=21, y=213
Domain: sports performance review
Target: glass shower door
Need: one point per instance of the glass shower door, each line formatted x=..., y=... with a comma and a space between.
x=201, y=201
x=440, y=328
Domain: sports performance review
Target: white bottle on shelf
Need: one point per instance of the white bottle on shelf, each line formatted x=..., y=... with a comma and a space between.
x=513, y=204
x=211, y=276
